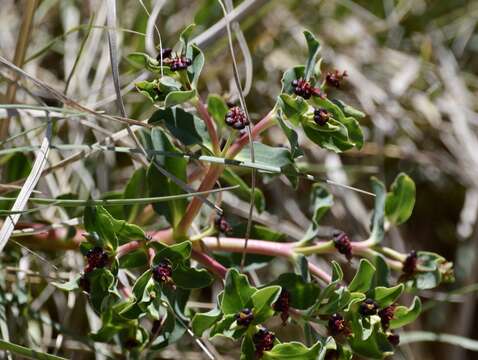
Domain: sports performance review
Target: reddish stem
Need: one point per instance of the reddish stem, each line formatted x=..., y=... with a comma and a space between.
x=215, y=267
x=202, y=110
x=195, y=205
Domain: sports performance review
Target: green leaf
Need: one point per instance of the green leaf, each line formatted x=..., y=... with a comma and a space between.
x=160, y=185
x=291, y=134
x=301, y=266
x=401, y=200
x=386, y=296
x=303, y=294
x=98, y=220
x=191, y=278
x=244, y=191
x=194, y=71
x=142, y=60
x=349, y=110
x=293, y=107
x=363, y=278
x=69, y=285
x=276, y=157
x=175, y=253
x=262, y=301
x=314, y=48
x=102, y=288
x=293, y=350
x=133, y=259
x=184, y=126
x=141, y=285
x=378, y=212
x=374, y=345
x=321, y=201
x=136, y=188
x=179, y=97
x=332, y=136
x=404, y=315
x=247, y=349
x=237, y=292
x=186, y=35
x=290, y=75
x=150, y=89
x=218, y=109
x=203, y=321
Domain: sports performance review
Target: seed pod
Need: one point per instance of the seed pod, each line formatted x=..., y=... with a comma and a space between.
x=368, y=307
x=343, y=245
x=321, y=116
x=236, y=118
x=244, y=317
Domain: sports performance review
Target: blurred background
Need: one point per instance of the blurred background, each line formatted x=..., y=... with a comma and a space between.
x=412, y=68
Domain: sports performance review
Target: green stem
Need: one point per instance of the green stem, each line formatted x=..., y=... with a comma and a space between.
x=111, y=202
x=27, y=352
x=322, y=247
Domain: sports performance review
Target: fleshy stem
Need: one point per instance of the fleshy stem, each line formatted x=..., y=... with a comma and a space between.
x=211, y=129
x=215, y=170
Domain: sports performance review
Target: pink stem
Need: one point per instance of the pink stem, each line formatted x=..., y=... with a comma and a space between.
x=128, y=247
x=261, y=247
x=210, y=263
x=201, y=108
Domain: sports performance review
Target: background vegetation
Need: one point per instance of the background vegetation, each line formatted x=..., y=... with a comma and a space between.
x=412, y=68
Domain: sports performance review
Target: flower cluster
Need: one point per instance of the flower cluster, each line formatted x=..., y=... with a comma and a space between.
x=163, y=272
x=343, y=244
x=236, y=118
x=175, y=62
x=282, y=305
x=334, y=78
x=244, y=317
x=303, y=88
x=263, y=341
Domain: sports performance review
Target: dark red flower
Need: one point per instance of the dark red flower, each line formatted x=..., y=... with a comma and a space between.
x=393, y=339
x=179, y=63
x=386, y=315
x=263, y=341
x=163, y=272
x=321, y=116
x=222, y=225
x=368, y=307
x=410, y=263
x=343, y=245
x=334, y=78
x=236, y=118
x=303, y=88
x=96, y=258
x=244, y=317
x=337, y=325
x=282, y=305
x=165, y=54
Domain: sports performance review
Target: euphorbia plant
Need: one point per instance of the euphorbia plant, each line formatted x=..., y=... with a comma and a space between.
x=339, y=318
